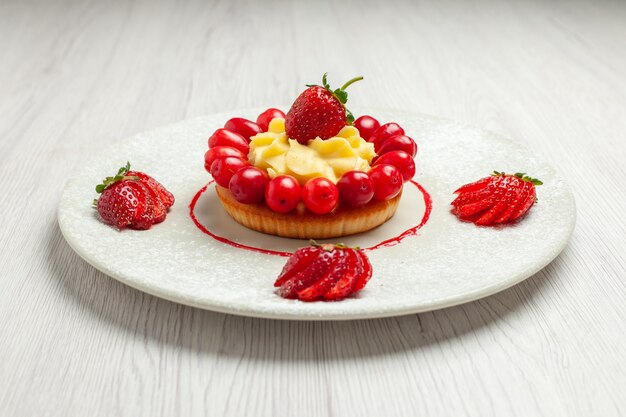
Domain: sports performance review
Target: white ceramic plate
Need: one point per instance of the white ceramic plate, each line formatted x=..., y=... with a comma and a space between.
x=448, y=262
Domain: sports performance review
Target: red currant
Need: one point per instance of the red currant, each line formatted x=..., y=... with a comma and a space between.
x=320, y=195
x=366, y=125
x=387, y=181
x=223, y=169
x=401, y=160
x=355, y=188
x=383, y=133
x=224, y=137
x=218, y=152
x=399, y=143
x=266, y=117
x=248, y=185
x=244, y=127
x=283, y=194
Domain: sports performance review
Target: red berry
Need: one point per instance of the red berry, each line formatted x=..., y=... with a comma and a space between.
x=383, y=133
x=224, y=137
x=223, y=169
x=401, y=160
x=366, y=125
x=320, y=195
x=248, y=185
x=324, y=272
x=283, y=194
x=244, y=127
x=267, y=116
x=387, y=181
x=355, y=188
x=496, y=199
x=398, y=143
x=318, y=112
x=220, y=152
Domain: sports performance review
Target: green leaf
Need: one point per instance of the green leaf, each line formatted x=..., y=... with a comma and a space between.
x=341, y=95
x=349, y=117
x=325, y=81
x=536, y=181
x=99, y=188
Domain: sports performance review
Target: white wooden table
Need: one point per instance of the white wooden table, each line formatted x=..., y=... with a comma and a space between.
x=74, y=77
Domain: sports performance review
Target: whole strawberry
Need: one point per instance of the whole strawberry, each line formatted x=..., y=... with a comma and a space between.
x=324, y=272
x=132, y=199
x=319, y=111
x=499, y=198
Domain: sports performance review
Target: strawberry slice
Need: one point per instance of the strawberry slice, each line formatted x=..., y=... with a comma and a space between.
x=339, y=268
x=366, y=274
x=144, y=216
x=499, y=198
x=315, y=271
x=344, y=286
x=166, y=197
x=301, y=259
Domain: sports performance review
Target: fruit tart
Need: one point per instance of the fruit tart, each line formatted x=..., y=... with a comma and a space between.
x=313, y=173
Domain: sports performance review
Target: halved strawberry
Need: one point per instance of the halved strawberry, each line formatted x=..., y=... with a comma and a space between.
x=498, y=198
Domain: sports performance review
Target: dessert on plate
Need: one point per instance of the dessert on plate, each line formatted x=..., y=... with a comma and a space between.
x=313, y=173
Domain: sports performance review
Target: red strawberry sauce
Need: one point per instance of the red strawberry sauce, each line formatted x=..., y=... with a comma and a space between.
x=385, y=243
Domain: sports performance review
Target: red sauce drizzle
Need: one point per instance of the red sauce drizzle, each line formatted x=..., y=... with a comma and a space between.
x=385, y=243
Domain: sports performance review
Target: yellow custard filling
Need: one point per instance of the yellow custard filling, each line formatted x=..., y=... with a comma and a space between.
x=330, y=158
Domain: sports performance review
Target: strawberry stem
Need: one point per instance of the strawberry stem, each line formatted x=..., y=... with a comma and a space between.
x=350, y=82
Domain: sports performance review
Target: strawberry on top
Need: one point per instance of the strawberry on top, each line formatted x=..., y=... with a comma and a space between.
x=319, y=111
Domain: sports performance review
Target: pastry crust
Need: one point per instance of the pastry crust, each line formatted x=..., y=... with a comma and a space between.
x=302, y=224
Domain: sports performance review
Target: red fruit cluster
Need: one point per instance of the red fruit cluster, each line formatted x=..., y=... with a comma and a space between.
x=132, y=199
x=324, y=272
x=497, y=199
x=227, y=161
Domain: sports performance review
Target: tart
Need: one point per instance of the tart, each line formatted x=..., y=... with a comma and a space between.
x=313, y=173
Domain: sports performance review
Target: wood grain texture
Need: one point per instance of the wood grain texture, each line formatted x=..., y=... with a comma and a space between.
x=78, y=75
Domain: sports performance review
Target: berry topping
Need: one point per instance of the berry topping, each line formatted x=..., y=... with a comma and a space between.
x=223, y=169
x=387, y=181
x=383, y=133
x=319, y=111
x=324, y=272
x=267, y=116
x=224, y=137
x=283, y=194
x=248, y=185
x=132, y=199
x=355, y=189
x=401, y=160
x=398, y=143
x=366, y=125
x=244, y=127
x=320, y=195
x=499, y=198
x=219, y=152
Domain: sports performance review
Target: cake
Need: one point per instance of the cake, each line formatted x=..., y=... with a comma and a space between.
x=313, y=173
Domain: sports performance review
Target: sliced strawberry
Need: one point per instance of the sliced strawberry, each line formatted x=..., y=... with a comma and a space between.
x=344, y=286
x=523, y=209
x=339, y=268
x=316, y=270
x=366, y=273
x=498, y=198
x=474, y=186
x=118, y=204
x=166, y=197
x=301, y=259
x=144, y=216
x=516, y=203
